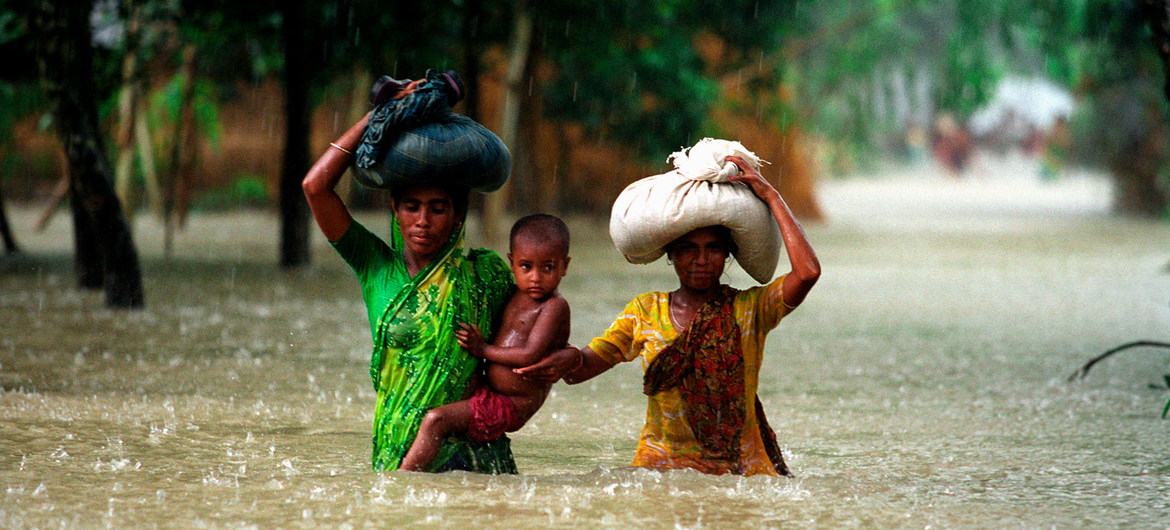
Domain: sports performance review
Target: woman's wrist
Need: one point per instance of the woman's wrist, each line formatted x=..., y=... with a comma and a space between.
x=580, y=361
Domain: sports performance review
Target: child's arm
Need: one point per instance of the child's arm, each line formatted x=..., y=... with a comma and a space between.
x=548, y=332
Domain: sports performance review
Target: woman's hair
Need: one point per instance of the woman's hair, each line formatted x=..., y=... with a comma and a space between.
x=724, y=234
x=459, y=194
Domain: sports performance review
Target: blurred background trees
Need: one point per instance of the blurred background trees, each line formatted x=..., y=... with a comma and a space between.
x=216, y=104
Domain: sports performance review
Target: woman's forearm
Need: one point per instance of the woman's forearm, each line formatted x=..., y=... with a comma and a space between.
x=569, y=363
x=590, y=366
x=328, y=209
x=806, y=268
x=800, y=252
x=327, y=171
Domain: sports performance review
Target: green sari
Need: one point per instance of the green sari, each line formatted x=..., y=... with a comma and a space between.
x=416, y=363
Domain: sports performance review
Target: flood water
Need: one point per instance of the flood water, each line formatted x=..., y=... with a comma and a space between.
x=922, y=384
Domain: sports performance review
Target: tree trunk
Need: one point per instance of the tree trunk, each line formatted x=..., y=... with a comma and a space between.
x=87, y=251
x=184, y=179
x=496, y=204
x=105, y=249
x=1135, y=176
x=145, y=145
x=6, y=232
x=1138, y=189
x=472, y=13
x=124, y=135
x=359, y=105
x=294, y=210
x=134, y=131
x=1157, y=13
x=183, y=149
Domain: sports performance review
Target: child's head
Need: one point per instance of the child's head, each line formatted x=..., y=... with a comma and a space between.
x=538, y=250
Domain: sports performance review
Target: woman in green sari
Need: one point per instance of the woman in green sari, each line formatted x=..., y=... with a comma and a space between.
x=416, y=290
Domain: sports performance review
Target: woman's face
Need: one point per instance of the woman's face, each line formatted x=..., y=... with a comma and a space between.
x=426, y=216
x=699, y=257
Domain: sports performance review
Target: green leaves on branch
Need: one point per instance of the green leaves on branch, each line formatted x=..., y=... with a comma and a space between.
x=166, y=103
x=631, y=72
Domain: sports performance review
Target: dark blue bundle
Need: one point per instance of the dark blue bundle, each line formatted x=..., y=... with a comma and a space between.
x=418, y=140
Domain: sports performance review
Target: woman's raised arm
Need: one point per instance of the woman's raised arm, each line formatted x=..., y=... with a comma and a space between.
x=320, y=182
x=806, y=269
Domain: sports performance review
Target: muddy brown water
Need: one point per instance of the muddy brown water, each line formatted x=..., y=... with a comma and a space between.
x=923, y=383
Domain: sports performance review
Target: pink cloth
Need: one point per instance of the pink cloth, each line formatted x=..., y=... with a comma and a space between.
x=492, y=414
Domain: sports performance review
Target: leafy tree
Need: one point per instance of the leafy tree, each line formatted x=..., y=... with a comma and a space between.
x=867, y=71
x=105, y=252
x=311, y=44
x=630, y=71
x=1103, y=49
x=1099, y=49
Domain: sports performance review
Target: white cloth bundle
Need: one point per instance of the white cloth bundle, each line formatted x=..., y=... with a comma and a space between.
x=654, y=211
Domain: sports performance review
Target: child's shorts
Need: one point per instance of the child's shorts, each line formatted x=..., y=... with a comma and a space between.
x=492, y=415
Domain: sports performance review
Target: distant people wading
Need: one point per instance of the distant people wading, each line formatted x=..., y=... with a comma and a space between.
x=702, y=344
x=421, y=285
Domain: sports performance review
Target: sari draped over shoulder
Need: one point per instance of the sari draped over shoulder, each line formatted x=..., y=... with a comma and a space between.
x=703, y=411
x=706, y=364
x=416, y=363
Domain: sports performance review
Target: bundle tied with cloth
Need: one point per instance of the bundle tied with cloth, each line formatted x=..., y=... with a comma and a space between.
x=417, y=139
x=654, y=211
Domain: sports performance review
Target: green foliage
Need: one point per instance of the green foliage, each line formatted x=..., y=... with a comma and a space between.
x=19, y=93
x=16, y=102
x=859, y=50
x=1100, y=49
x=1103, y=49
x=235, y=40
x=1092, y=43
x=1166, y=379
x=629, y=71
x=246, y=191
x=403, y=39
x=166, y=105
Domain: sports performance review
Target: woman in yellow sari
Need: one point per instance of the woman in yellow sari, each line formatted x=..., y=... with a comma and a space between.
x=702, y=345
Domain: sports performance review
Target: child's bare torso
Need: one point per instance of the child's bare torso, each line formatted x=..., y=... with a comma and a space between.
x=520, y=315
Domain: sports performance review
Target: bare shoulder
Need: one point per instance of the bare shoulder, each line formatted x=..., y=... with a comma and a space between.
x=555, y=314
x=556, y=306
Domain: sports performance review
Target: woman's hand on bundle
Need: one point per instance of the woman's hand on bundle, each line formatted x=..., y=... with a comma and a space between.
x=470, y=339
x=806, y=269
x=752, y=177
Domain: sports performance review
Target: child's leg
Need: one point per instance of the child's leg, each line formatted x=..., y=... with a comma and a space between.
x=439, y=423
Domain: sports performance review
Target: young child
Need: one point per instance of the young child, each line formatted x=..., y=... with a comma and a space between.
x=535, y=322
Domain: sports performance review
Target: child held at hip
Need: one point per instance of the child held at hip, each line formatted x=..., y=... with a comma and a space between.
x=535, y=323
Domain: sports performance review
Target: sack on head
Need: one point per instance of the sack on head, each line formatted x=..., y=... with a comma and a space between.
x=654, y=211
x=418, y=140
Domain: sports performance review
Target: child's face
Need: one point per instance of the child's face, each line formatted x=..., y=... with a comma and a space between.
x=538, y=268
